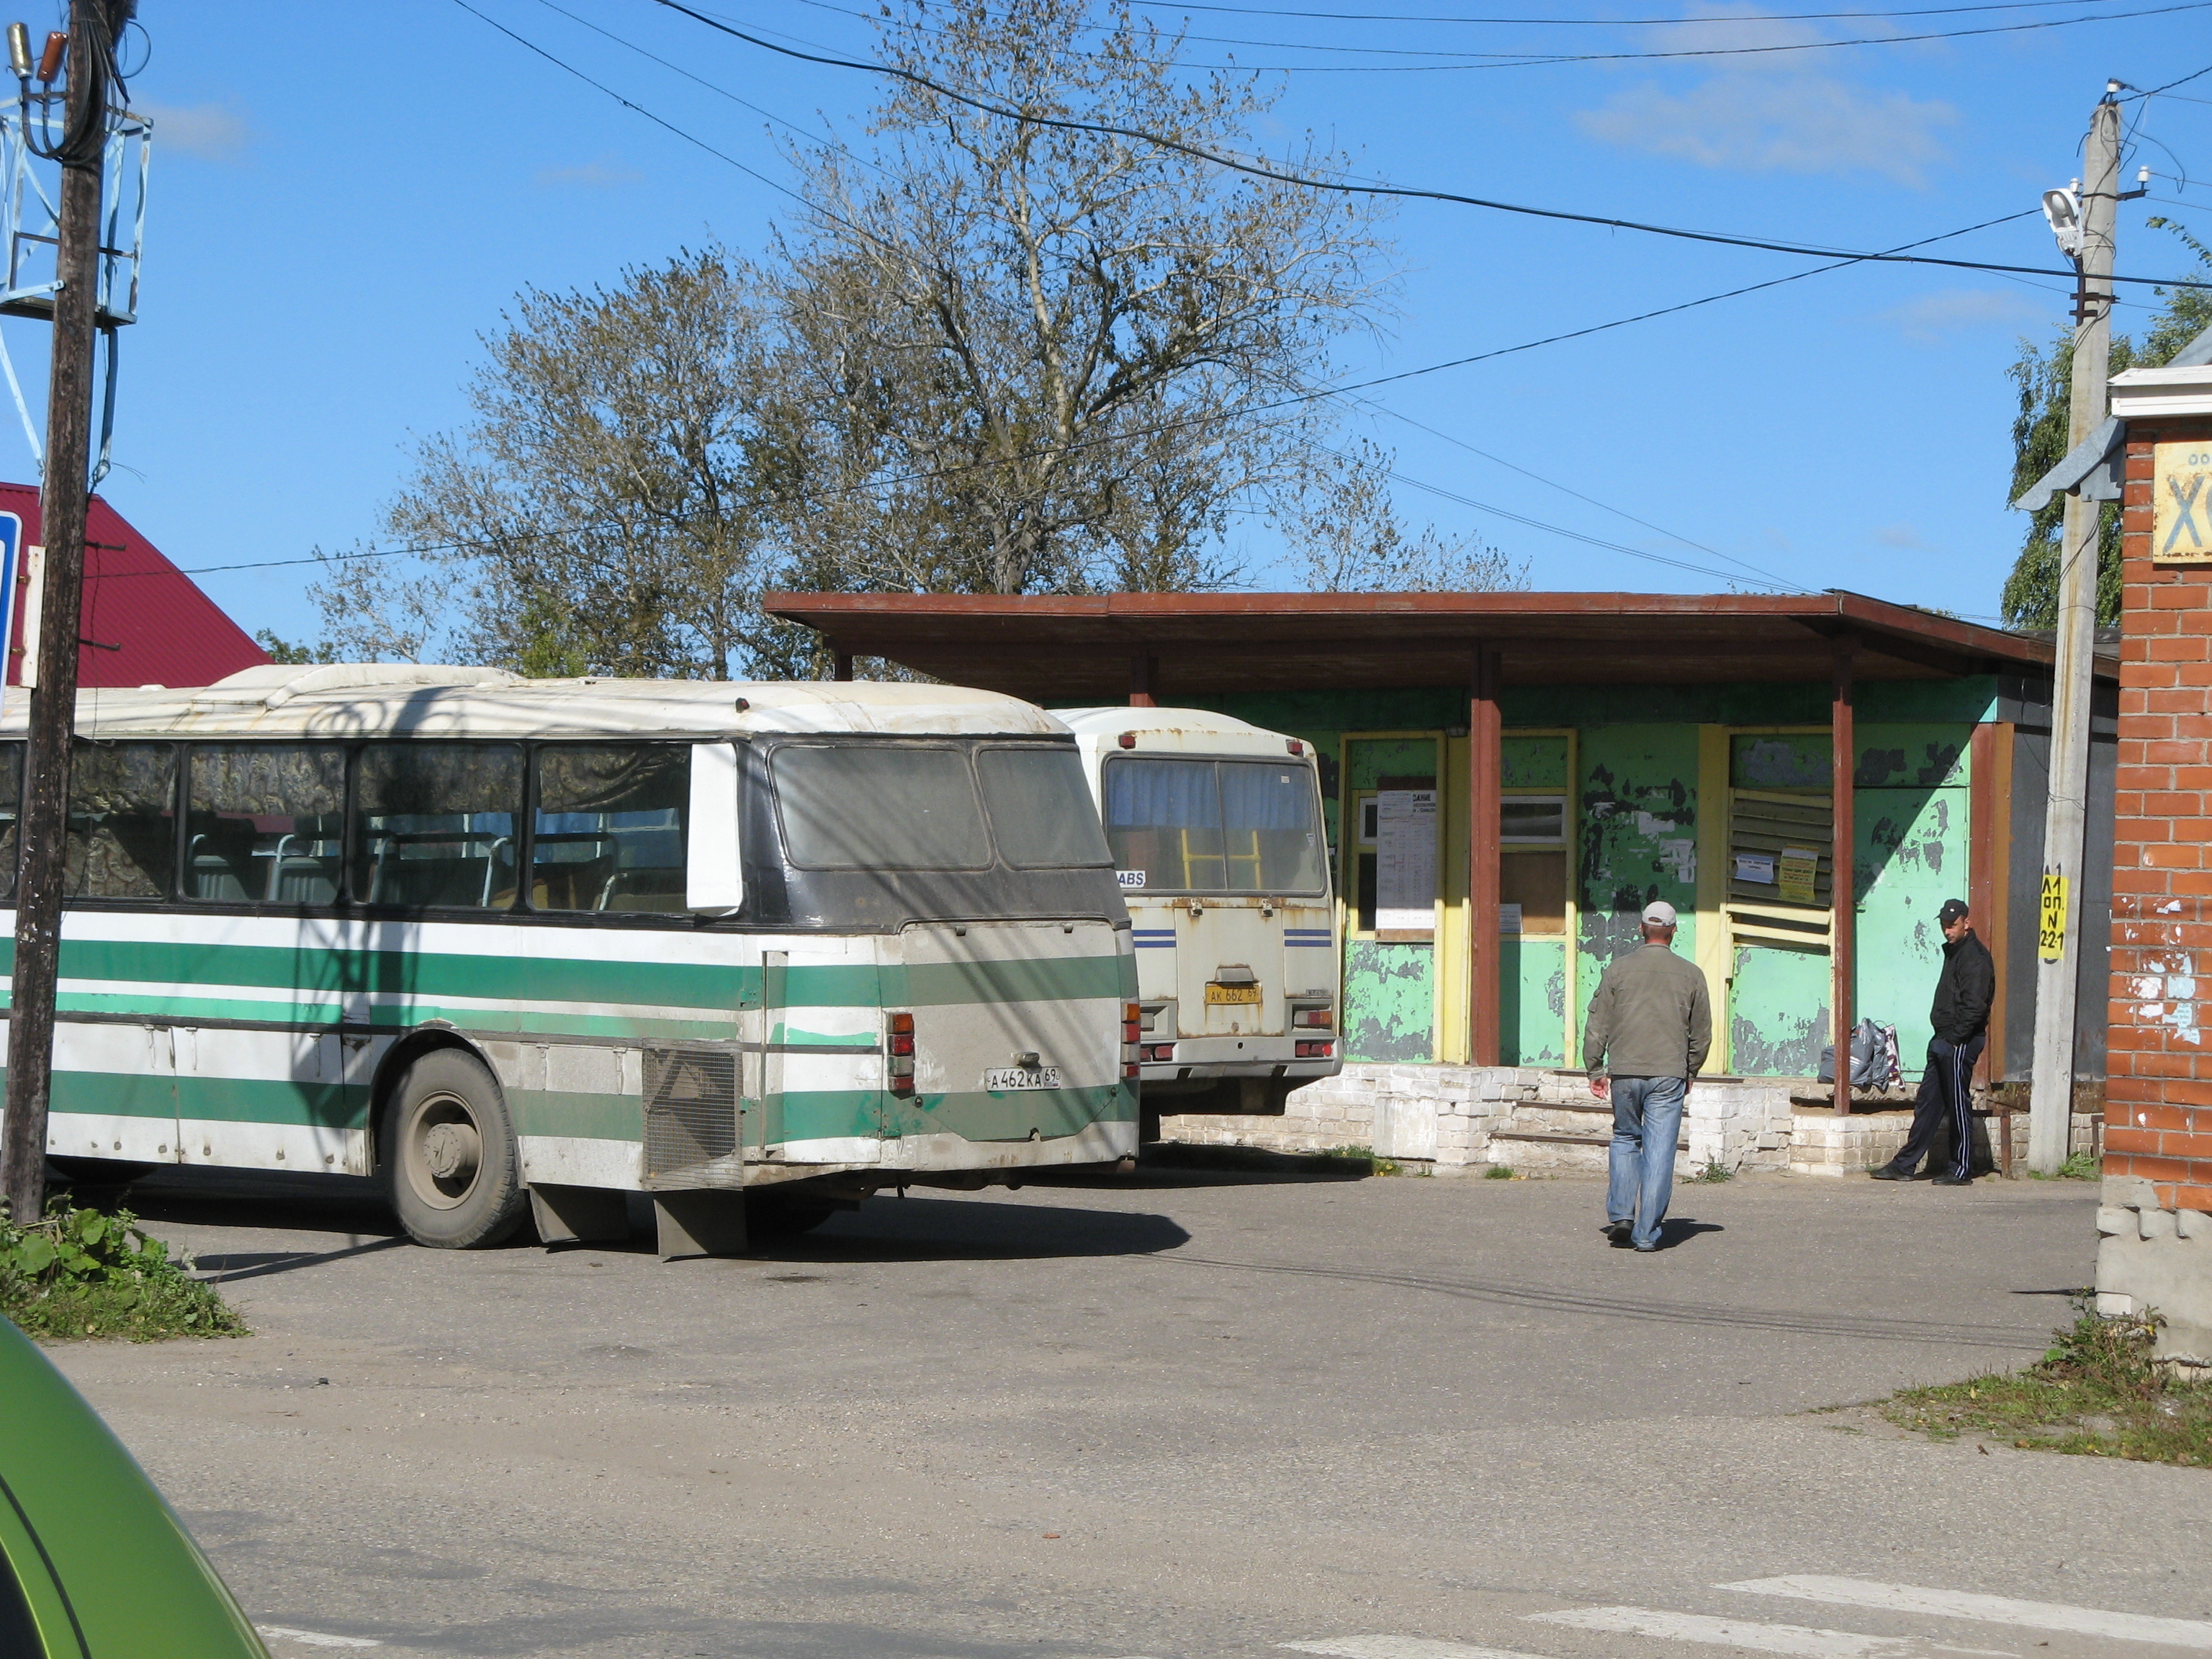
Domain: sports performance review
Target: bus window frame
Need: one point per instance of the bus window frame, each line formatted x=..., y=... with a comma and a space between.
x=1318, y=895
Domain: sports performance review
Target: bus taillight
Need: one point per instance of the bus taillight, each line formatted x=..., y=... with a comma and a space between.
x=1133, y=1028
x=898, y=1052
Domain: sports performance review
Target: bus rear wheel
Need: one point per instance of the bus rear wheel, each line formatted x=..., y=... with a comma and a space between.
x=449, y=1155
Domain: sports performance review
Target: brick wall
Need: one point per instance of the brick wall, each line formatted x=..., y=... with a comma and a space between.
x=2159, y=1101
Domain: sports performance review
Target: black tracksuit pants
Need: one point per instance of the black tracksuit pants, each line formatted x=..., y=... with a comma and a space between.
x=1946, y=1095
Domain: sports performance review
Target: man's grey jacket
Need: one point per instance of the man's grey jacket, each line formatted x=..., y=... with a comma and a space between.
x=1651, y=1016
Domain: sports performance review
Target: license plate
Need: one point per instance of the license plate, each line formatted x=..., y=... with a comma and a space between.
x=1016, y=1077
x=1218, y=995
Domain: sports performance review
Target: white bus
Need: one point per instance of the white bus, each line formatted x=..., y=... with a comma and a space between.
x=519, y=945
x=1216, y=831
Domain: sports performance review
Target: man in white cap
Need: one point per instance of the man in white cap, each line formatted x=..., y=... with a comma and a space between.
x=1653, y=1022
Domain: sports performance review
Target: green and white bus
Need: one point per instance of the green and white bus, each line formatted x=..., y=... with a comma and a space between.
x=518, y=946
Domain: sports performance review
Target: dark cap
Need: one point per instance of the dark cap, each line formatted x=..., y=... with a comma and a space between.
x=1952, y=911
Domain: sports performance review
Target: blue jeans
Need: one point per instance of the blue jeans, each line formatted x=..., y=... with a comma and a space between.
x=1647, y=1122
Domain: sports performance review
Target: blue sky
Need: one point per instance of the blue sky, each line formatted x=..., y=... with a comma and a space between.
x=346, y=195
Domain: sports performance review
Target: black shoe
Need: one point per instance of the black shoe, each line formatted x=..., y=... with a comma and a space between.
x=1951, y=1180
x=1616, y=1231
x=1891, y=1172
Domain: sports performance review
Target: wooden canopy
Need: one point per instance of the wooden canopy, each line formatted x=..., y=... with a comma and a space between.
x=1165, y=645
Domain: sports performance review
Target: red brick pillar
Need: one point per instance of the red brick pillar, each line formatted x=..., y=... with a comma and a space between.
x=2157, y=1218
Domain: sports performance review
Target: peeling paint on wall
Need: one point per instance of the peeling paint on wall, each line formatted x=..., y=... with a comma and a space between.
x=1389, y=1001
x=1777, y=1011
x=1637, y=840
x=1533, y=974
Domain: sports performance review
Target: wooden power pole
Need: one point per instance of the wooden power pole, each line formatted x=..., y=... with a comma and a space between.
x=2058, y=978
x=64, y=498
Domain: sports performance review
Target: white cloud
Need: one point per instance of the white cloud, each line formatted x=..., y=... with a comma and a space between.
x=1928, y=318
x=212, y=131
x=605, y=173
x=1770, y=123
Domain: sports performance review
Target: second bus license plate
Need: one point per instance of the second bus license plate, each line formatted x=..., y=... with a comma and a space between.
x=1216, y=995
x=1016, y=1077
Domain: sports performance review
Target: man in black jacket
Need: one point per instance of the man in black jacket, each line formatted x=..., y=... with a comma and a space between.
x=1961, y=1015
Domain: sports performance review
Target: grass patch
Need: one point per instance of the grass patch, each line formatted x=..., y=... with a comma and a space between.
x=85, y=1273
x=1498, y=1172
x=2082, y=1166
x=2096, y=1393
x=1714, y=1173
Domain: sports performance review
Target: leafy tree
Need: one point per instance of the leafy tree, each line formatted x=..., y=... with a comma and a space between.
x=605, y=511
x=284, y=652
x=2045, y=381
x=988, y=356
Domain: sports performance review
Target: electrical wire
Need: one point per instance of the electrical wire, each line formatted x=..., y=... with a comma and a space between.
x=1530, y=59
x=1602, y=22
x=1234, y=164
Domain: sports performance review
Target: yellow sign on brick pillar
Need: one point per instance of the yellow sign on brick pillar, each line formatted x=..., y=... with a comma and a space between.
x=2181, y=503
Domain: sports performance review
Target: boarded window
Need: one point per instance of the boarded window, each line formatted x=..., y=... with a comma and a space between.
x=1781, y=866
x=435, y=824
x=122, y=820
x=611, y=827
x=264, y=823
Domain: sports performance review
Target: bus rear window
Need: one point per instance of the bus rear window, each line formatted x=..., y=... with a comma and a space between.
x=880, y=806
x=1192, y=826
x=1041, y=813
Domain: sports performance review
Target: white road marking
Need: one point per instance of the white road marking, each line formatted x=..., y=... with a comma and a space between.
x=1799, y=1640
x=1399, y=1647
x=315, y=1638
x=1986, y=1653
x=1989, y=1609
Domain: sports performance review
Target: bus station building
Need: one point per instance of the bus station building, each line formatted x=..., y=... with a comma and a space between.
x=1509, y=777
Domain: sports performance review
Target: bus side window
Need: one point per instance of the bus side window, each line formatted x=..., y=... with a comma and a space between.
x=434, y=824
x=11, y=800
x=263, y=823
x=609, y=831
x=122, y=820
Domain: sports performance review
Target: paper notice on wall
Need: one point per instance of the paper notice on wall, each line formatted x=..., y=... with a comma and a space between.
x=1798, y=867
x=1755, y=867
x=1405, y=860
x=1509, y=918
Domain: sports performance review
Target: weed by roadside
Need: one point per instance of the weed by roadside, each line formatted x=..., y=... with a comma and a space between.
x=83, y=1272
x=1714, y=1173
x=1498, y=1172
x=2082, y=1166
x=2096, y=1392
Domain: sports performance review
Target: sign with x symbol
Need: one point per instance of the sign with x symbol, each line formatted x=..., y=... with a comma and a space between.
x=2181, y=508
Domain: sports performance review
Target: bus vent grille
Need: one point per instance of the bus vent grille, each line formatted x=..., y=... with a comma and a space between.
x=691, y=1116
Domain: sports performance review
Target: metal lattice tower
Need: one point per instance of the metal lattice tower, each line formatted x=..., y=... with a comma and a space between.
x=30, y=218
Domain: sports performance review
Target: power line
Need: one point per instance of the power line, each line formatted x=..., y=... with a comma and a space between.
x=1533, y=59
x=1276, y=175
x=1602, y=22
x=1526, y=60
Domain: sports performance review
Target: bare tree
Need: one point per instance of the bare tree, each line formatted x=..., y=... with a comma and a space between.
x=1344, y=534
x=604, y=510
x=1026, y=359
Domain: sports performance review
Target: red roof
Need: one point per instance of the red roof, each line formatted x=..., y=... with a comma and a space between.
x=165, y=630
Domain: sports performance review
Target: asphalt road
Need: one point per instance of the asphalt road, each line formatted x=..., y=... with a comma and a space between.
x=1172, y=1415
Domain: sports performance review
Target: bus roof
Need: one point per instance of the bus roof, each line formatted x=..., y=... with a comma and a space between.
x=354, y=700
x=1191, y=729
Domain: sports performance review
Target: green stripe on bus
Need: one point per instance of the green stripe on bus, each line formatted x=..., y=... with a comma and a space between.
x=572, y=979
x=211, y=1099
x=580, y=1114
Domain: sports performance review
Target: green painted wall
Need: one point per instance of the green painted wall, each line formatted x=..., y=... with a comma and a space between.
x=1777, y=1011
x=1532, y=983
x=1389, y=1001
x=1534, y=762
x=1637, y=841
x=1912, y=840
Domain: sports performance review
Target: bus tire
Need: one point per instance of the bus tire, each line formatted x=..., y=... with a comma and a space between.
x=449, y=1155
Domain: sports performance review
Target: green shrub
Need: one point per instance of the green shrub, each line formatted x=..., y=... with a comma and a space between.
x=1498, y=1172
x=87, y=1272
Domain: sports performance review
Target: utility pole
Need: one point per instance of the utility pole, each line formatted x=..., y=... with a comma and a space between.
x=2057, y=977
x=64, y=498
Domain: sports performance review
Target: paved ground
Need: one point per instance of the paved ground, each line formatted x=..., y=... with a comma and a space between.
x=1172, y=1415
